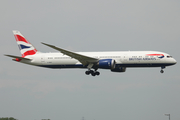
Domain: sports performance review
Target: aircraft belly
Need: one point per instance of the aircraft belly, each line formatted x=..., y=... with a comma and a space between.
x=69, y=63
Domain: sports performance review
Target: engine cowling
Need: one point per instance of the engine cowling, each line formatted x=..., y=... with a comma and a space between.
x=107, y=64
x=119, y=69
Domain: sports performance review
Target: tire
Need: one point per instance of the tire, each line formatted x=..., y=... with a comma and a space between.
x=97, y=73
x=87, y=72
x=93, y=74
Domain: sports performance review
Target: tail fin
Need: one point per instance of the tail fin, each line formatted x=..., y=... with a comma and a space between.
x=25, y=47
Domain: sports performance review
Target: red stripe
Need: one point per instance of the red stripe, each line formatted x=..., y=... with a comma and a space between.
x=20, y=38
x=154, y=54
x=30, y=52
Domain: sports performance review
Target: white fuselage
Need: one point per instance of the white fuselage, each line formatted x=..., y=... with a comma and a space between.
x=122, y=59
x=116, y=61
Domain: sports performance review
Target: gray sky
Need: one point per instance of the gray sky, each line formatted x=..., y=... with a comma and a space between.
x=32, y=93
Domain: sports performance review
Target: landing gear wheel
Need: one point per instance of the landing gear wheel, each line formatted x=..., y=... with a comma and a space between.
x=87, y=72
x=93, y=73
x=97, y=73
x=162, y=67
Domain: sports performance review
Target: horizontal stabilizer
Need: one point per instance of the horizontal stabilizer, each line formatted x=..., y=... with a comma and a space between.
x=18, y=57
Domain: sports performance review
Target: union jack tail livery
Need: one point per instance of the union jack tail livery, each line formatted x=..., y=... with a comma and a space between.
x=25, y=47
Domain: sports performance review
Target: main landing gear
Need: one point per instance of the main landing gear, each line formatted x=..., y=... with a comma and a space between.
x=93, y=73
x=162, y=71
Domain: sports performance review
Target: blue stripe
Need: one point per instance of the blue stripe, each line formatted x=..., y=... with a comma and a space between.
x=23, y=46
x=117, y=65
x=63, y=66
x=145, y=65
x=161, y=57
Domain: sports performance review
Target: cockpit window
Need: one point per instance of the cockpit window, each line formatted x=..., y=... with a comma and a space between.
x=169, y=56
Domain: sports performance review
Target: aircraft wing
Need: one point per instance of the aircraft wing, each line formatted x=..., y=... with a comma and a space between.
x=85, y=60
x=17, y=57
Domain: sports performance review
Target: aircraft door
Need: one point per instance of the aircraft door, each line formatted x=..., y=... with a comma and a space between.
x=124, y=58
x=42, y=60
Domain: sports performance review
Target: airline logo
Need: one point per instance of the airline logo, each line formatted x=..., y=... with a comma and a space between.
x=158, y=55
x=155, y=56
x=25, y=47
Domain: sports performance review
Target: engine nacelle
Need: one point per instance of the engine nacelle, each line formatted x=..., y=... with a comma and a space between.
x=119, y=69
x=107, y=64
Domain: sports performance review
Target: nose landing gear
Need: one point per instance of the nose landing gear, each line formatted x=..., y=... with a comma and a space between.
x=162, y=71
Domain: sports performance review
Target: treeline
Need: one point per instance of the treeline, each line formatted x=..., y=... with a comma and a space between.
x=11, y=118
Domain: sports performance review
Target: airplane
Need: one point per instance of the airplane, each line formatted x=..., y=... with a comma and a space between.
x=116, y=61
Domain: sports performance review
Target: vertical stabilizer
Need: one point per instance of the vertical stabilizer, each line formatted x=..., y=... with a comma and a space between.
x=25, y=47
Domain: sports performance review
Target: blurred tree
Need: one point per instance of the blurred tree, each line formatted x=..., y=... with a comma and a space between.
x=11, y=118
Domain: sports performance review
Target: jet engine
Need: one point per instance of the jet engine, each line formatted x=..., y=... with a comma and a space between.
x=107, y=64
x=119, y=69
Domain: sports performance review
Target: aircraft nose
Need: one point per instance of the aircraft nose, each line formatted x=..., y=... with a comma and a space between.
x=174, y=61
